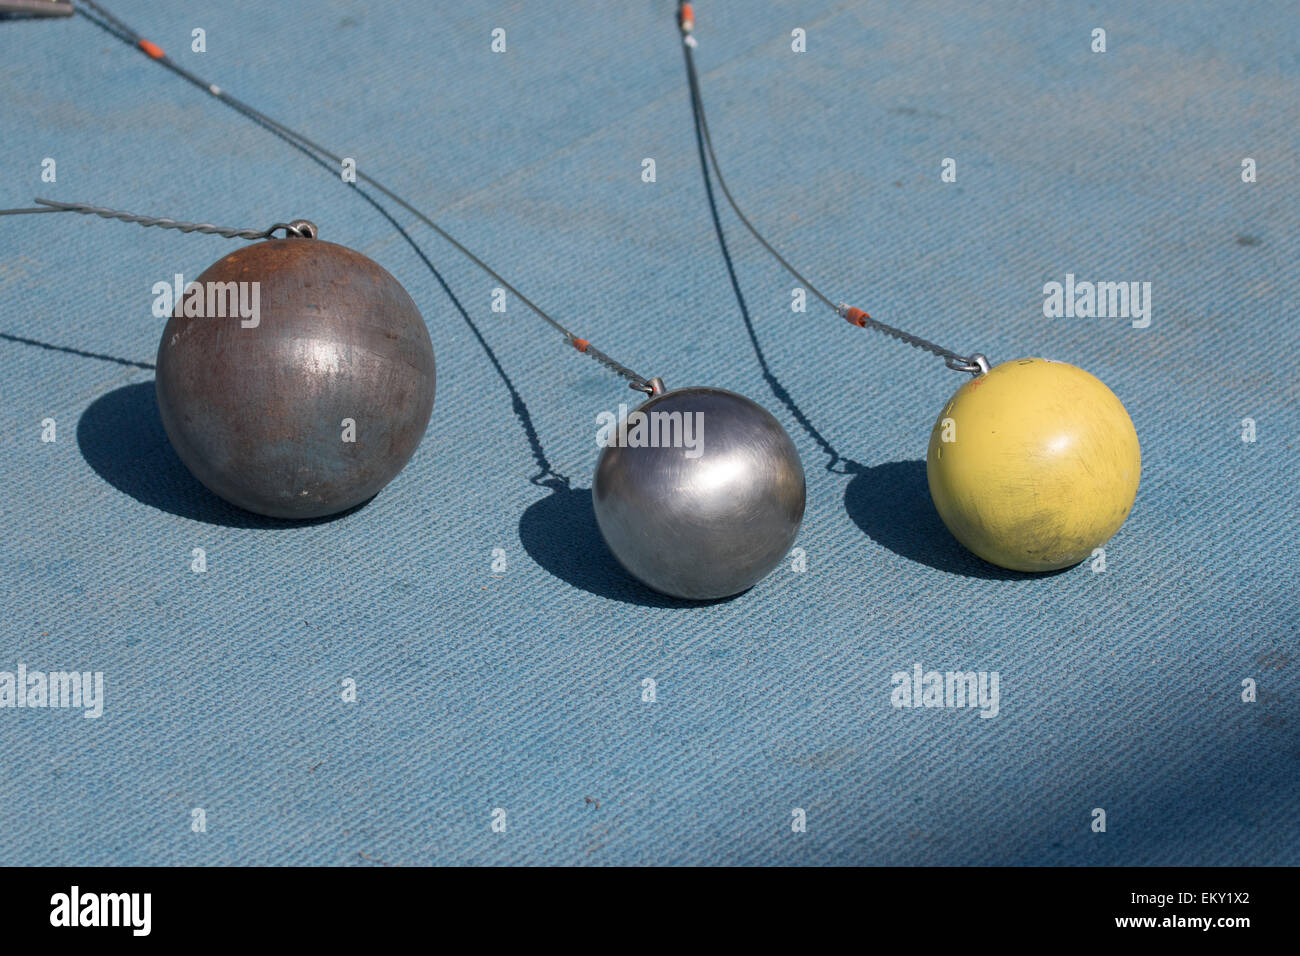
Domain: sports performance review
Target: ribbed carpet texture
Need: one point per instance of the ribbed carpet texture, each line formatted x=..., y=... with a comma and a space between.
x=518, y=698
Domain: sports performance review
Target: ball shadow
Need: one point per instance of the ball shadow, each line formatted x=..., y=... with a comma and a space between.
x=891, y=503
x=559, y=532
x=121, y=437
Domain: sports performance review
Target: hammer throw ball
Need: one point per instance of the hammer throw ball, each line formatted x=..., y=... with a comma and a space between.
x=1033, y=465
x=707, y=517
x=313, y=405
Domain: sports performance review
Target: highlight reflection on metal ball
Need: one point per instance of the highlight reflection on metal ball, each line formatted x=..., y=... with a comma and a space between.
x=258, y=408
x=711, y=516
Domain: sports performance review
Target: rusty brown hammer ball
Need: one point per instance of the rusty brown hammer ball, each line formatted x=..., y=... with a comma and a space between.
x=295, y=377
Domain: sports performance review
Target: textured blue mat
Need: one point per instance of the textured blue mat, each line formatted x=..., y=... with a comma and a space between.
x=523, y=690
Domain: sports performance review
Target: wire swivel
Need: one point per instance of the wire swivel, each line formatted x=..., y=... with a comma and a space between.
x=654, y=387
x=977, y=364
x=298, y=229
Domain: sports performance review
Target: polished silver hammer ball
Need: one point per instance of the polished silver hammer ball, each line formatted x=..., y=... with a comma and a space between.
x=709, y=514
x=312, y=405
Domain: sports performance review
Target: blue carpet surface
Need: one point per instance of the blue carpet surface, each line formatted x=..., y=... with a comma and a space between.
x=522, y=689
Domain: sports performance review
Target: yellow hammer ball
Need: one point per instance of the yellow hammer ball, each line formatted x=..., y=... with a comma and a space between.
x=1033, y=464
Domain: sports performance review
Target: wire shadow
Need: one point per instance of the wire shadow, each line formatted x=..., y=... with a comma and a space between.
x=565, y=516
x=847, y=466
x=69, y=350
x=890, y=502
x=559, y=531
